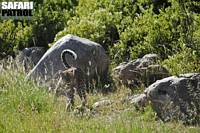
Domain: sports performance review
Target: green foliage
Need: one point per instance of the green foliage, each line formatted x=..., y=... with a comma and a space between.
x=164, y=34
x=140, y=29
x=13, y=36
x=49, y=18
x=94, y=21
x=185, y=61
x=196, y=35
x=126, y=29
x=118, y=53
x=152, y=33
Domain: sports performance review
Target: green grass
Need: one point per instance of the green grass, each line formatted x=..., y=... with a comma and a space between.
x=28, y=108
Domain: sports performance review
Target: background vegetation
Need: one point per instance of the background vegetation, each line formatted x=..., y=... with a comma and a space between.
x=127, y=29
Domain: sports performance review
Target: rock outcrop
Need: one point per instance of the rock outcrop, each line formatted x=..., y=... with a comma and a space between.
x=143, y=71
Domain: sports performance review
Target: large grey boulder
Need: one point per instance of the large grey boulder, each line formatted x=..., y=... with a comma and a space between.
x=92, y=59
x=143, y=71
x=29, y=57
x=176, y=98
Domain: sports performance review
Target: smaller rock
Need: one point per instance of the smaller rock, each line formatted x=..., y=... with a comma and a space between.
x=101, y=103
x=138, y=100
x=29, y=57
x=143, y=71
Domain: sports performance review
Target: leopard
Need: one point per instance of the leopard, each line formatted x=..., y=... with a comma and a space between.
x=74, y=80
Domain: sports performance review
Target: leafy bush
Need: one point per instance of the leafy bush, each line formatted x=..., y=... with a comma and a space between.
x=48, y=19
x=162, y=33
x=96, y=23
x=185, y=61
x=13, y=36
x=126, y=29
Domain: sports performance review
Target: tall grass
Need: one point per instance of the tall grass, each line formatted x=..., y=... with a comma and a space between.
x=26, y=107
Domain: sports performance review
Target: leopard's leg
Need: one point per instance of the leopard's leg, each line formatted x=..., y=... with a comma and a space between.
x=70, y=99
x=82, y=94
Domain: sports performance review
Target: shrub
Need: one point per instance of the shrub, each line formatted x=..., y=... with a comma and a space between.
x=162, y=33
x=185, y=61
x=98, y=25
x=126, y=29
x=49, y=18
x=14, y=36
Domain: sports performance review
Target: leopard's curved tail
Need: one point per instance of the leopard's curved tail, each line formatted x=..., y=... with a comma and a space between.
x=70, y=52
